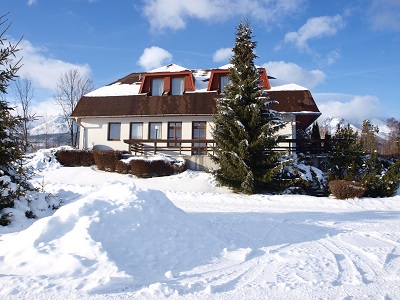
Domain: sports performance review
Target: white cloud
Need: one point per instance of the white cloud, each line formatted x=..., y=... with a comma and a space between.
x=353, y=108
x=154, y=57
x=315, y=28
x=43, y=70
x=223, y=54
x=31, y=2
x=46, y=109
x=385, y=15
x=293, y=73
x=173, y=14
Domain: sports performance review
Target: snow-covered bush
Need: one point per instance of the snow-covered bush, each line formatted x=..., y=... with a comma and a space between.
x=343, y=189
x=306, y=179
x=381, y=177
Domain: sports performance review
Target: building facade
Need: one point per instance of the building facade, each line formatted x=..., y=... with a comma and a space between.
x=170, y=110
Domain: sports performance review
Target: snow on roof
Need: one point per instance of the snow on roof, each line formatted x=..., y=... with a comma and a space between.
x=202, y=77
x=225, y=67
x=288, y=87
x=116, y=89
x=169, y=68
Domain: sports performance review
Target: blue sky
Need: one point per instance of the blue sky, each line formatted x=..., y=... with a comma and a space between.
x=346, y=52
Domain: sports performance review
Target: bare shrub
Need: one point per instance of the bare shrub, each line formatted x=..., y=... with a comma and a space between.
x=343, y=189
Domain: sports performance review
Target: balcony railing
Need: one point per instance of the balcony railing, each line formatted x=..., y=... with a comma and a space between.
x=202, y=147
x=171, y=147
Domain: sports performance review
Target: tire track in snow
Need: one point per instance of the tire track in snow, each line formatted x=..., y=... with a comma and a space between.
x=347, y=272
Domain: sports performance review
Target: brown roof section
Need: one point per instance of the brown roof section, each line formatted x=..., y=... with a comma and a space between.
x=143, y=105
x=129, y=79
x=299, y=102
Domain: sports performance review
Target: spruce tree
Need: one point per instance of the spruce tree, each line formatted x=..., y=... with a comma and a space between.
x=13, y=178
x=315, y=133
x=346, y=155
x=369, y=139
x=245, y=129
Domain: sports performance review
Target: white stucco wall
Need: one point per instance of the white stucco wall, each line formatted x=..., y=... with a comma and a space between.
x=94, y=131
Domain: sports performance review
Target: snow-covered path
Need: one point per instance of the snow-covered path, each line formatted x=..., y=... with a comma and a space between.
x=182, y=237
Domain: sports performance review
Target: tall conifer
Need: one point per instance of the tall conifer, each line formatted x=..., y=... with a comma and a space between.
x=245, y=129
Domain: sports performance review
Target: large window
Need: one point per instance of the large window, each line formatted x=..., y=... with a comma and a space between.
x=199, y=133
x=174, y=133
x=155, y=131
x=177, y=86
x=114, y=131
x=157, y=86
x=136, y=131
x=224, y=81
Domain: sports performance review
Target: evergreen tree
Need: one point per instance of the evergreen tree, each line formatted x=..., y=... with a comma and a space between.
x=13, y=178
x=380, y=177
x=346, y=154
x=368, y=137
x=315, y=133
x=245, y=129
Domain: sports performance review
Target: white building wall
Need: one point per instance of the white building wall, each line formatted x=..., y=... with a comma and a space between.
x=94, y=134
x=94, y=131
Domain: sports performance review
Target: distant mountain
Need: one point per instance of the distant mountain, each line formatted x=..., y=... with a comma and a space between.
x=56, y=125
x=52, y=133
x=330, y=124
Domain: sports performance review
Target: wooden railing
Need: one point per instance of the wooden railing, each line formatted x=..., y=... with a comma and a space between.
x=172, y=147
x=202, y=147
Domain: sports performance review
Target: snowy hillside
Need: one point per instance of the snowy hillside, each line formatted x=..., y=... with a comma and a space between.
x=182, y=237
x=55, y=125
x=331, y=123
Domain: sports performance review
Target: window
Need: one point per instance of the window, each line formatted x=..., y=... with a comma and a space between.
x=157, y=87
x=136, y=131
x=155, y=131
x=224, y=81
x=174, y=133
x=199, y=133
x=114, y=131
x=177, y=86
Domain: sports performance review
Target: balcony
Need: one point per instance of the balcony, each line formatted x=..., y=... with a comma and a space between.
x=190, y=147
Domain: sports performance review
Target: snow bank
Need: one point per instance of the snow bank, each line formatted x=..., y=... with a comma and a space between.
x=44, y=158
x=114, y=237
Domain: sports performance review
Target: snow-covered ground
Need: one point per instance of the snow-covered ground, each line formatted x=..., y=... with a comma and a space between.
x=183, y=237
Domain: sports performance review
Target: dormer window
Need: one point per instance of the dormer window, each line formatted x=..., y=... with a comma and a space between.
x=157, y=86
x=224, y=82
x=177, y=85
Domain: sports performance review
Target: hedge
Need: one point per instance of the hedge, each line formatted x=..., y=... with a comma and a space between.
x=111, y=161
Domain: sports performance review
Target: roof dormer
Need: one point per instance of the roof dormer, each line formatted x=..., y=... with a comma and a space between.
x=219, y=78
x=167, y=80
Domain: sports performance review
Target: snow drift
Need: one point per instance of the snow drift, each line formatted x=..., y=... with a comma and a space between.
x=118, y=235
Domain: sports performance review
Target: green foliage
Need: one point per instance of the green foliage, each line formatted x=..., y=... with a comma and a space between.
x=315, y=133
x=245, y=129
x=13, y=176
x=5, y=219
x=343, y=189
x=345, y=155
x=380, y=177
x=368, y=138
